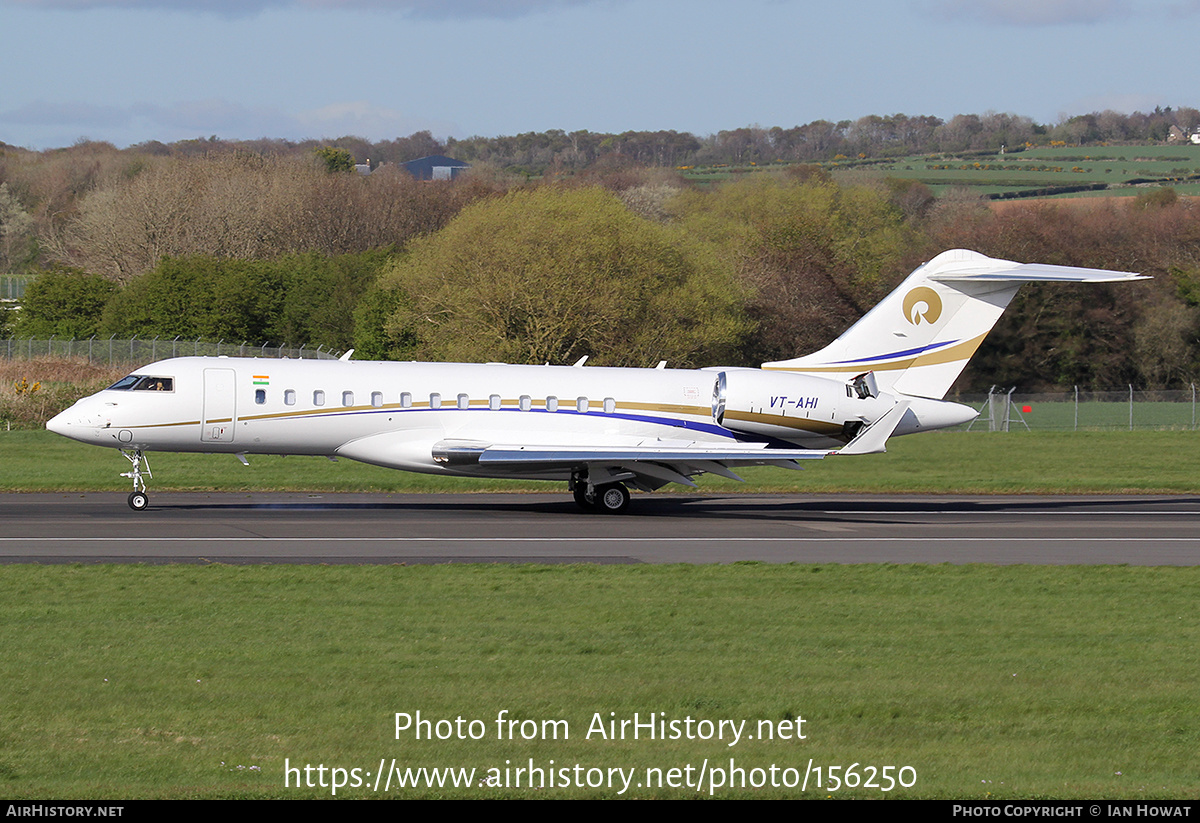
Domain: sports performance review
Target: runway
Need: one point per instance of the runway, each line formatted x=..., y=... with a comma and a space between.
x=548, y=528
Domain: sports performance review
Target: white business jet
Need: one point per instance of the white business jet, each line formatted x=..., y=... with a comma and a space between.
x=602, y=430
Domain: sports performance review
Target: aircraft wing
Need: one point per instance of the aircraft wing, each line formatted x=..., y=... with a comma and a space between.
x=647, y=466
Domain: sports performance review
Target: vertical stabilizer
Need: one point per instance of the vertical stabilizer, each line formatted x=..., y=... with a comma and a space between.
x=919, y=338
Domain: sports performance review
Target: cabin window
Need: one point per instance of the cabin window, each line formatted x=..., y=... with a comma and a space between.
x=494, y=402
x=435, y=401
x=260, y=396
x=551, y=404
x=377, y=399
x=406, y=400
x=347, y=398
x=464, y=402
x=610, y=405
x=289, y=397
x=581, y=404
x=318, y=398
x=526, y=402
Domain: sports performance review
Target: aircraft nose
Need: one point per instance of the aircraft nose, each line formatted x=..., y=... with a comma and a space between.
x=71, y=423
x=59, y=424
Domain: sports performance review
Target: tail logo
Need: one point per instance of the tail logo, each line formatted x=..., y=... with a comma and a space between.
x=922, y=304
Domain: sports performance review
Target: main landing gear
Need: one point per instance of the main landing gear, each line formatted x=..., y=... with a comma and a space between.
x=138, y=499
x=610, y=498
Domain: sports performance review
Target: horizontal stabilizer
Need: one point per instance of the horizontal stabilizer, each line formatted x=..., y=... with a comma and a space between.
x=1037, y=273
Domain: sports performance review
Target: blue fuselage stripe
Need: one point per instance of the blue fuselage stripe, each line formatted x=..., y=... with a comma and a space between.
x=673, y=422
x=893, y=355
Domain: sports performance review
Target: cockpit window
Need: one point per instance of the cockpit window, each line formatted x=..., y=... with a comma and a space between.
x=155, y=384
x=138, y=382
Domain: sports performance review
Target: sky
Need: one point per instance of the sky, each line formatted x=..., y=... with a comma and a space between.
x=130, y=71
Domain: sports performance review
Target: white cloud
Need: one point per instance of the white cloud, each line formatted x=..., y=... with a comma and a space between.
x=75, y=114
x=211, y=116
x=1184, y=8
x=434, y=9
x=1123, y=103
x=56, y=124
x=1030, y=12
x=360, y=117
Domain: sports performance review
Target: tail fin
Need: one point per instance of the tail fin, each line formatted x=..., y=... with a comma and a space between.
x=919, y=338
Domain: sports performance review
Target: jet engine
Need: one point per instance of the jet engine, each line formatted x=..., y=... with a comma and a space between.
x=797, y=408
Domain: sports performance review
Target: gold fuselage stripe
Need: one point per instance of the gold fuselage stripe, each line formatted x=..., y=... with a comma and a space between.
x=963, y=351
x=800, y=424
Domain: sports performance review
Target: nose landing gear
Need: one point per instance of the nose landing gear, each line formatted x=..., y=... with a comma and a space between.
x=138, y=499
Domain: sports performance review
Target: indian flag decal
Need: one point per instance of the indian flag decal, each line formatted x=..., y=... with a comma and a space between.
x=262, y=379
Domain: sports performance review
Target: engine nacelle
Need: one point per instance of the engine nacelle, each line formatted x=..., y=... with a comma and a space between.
x=809, y=411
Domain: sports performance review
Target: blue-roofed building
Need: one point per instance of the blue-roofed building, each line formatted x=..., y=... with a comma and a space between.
x=435, y=167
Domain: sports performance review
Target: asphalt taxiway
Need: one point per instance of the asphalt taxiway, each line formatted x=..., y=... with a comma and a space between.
x=240, y=528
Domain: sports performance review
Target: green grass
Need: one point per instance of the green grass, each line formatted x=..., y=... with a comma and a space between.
x=1002, y=682
x=1095, y=414
x=1045, y=462
x=1182, y=189
x=1010, y=682
x=1181, y=155
x=1016, y=170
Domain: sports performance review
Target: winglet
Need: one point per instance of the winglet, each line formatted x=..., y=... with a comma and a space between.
x=873, y=439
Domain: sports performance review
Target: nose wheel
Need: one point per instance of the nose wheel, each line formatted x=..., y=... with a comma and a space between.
x=138, y=499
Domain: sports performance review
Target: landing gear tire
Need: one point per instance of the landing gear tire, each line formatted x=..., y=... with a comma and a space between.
x=138, y=501
x=612, y=498
x=582, y=498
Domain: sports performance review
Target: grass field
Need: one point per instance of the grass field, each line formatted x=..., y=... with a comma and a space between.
x=1044, y=462
x=1114, y=166
x=995, y=173
x=984, y=682
x=1058, y=412
x=1014, y=682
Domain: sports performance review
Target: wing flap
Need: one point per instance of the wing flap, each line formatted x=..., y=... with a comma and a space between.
x=651, y=465
x=518, y=455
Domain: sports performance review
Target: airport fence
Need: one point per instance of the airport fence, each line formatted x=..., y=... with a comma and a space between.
x=12, y=286
x=1076, y=410
x=1000, y=410
x=136, y=352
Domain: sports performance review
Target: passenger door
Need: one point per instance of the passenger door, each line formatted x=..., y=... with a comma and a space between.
x=220, y=406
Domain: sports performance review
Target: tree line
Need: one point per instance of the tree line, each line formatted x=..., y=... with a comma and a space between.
x=82, y=205
x=628, y=267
